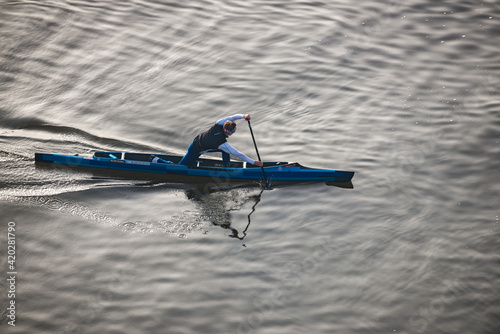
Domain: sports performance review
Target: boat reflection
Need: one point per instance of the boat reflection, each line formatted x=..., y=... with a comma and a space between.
x=217, y=201
x=215, y=198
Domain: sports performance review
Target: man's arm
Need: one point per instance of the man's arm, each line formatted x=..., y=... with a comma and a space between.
x=230, y=118
x=231, y=150
x=233, y=118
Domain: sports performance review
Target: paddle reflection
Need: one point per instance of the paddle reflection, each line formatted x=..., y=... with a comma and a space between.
x=216, y=206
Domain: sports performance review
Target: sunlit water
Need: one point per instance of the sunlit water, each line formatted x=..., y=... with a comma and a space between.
x=403, y=93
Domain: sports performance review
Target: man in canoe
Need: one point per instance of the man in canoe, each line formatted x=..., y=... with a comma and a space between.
x=215, y=140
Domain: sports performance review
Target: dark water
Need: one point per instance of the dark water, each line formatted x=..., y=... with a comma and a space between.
x=403, y=93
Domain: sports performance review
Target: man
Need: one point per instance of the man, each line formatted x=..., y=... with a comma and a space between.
x=215, y=140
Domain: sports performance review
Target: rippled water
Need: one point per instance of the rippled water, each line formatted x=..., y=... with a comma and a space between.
x=403, y=93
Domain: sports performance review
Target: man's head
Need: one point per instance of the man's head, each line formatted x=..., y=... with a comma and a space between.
x=229, y=128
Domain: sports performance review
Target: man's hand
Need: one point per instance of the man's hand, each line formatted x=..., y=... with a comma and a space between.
x=247, y=117
x=258, y=163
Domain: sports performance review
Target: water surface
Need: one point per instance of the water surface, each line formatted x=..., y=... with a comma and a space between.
x=403, y=93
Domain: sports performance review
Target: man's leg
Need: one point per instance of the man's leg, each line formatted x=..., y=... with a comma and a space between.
x=226, y=159
x=191, y=156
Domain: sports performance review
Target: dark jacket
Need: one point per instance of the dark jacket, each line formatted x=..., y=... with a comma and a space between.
x=210, y=139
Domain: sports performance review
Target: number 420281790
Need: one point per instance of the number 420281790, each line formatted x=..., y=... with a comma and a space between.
x=11, y=249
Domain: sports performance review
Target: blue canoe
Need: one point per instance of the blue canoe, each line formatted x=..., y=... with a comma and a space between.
x=167, y=165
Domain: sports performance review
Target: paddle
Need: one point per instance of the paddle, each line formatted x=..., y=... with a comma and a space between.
x=258, y=155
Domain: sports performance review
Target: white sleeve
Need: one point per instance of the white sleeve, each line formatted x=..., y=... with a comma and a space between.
x=230, y=118
x=231, y=150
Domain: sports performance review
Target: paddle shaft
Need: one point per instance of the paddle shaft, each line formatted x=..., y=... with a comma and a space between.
x=257, y=150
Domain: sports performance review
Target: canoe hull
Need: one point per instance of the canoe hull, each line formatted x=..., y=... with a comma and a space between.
x=206, y=168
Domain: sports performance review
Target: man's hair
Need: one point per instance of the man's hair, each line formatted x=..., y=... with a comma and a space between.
x=229, y=125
